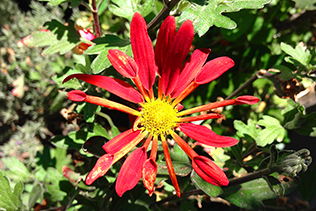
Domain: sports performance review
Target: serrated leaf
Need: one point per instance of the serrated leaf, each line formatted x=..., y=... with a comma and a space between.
x=102, y=47
x=305, y=4
x=127, y=8
x=209, y=189
x=9, y=200
x=298, y=54
x=208, y=13
x=17, y=169
x=249, y=129
x=272, y=131
x=59, y=38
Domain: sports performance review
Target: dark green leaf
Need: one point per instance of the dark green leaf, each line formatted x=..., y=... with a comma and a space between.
x=94, y=145
x=181, y=169
x=178, y=155
x=209, y=189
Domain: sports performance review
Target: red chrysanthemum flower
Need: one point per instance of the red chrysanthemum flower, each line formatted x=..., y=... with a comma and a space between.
x=159, y=115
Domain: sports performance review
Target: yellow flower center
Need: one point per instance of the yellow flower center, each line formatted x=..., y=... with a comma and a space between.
x=158, y=117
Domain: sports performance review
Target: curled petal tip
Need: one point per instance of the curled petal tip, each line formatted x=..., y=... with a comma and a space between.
x=76, y=96
x=247, y=99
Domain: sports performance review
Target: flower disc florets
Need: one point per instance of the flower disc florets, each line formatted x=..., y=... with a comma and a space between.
x=158, y=117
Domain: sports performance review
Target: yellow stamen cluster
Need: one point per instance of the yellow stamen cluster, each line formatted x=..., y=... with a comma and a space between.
x=158, y=117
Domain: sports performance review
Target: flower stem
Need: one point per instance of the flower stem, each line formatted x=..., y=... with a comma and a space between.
x=164, y=12
x=96, y=22
x=247, y=83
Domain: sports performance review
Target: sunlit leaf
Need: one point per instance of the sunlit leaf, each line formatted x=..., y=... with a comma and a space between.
x=127, y=8
x=272, y=131
x=16, y=169
x=10, y=200
x=205, y=14
x=305, y=4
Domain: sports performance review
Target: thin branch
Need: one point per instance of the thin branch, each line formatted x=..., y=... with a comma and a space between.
x=96, y=22
x=164, y=12
x=247, y=83
x=234, y=182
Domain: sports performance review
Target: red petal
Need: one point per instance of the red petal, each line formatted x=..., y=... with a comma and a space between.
x=165, y=37
x=113, y=85
x=117, y=143
x=209, y=171
x=191, y=69
x=175, y=57
x=131, y=171
x=143, y=51
x=76, y=96
x=213, y=69
x=100, y=168
x=149, y=174
x=123, y=63
x=206, y=136
x=247, y=99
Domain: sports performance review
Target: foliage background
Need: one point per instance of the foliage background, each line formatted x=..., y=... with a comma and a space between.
x=43, y=163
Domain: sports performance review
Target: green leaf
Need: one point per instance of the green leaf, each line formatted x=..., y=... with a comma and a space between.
x=205, y=14
x=209, y=189
x=177, y=154
x=305, y=4
x=181, y=169
x=89, y=111
x=17, y=169
x=127, y=8
x=37, y=193
x=249, y=129
x=59, y=38
x=298, y=55
x=52, y=180
x=303, y=124
x=273, y=130
x=286, y=73
x=9, y=200
x=250, y=195
x=102, y=47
